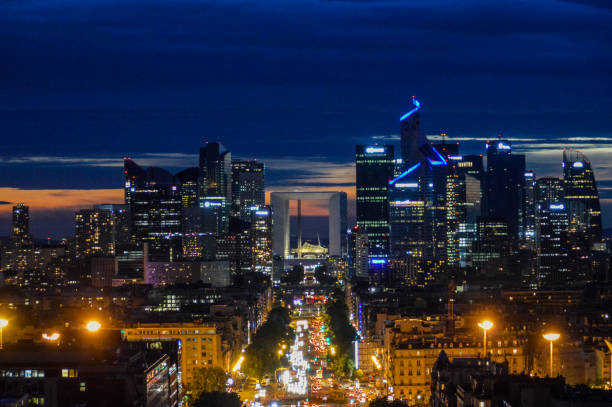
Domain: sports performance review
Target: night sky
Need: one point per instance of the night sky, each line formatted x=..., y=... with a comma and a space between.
x=293, y=83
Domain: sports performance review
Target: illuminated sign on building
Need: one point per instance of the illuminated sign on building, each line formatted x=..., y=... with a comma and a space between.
x=208, y=204
x=378, y=260
x=502, y=146
x=556, y=206
x=407, y=185
x=375, y=150
x=578, y=164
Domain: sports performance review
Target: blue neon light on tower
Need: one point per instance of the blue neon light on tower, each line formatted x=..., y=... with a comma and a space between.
x=403, y=174
x=417, y=106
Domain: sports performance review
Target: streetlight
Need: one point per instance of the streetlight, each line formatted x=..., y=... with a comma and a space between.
x=3, y=324
x=551, y=337
x=376, y=362
x=332, y=349
x=93, y=326
x=609, y=345
x=238, y=364
x=485, y=325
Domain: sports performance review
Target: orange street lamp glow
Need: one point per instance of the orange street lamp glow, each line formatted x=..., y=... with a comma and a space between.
x=376, y=362
x=551, y=337
x=3, y=324
x=485, y=325
x=332, y=349
x=93, y=326
x=53, y=337
x=238, y=364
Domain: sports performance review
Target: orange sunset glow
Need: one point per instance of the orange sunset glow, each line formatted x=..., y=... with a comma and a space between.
x=58, y=199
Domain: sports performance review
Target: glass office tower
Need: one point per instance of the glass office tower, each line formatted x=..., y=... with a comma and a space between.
x=374, y=169
x=504, y=186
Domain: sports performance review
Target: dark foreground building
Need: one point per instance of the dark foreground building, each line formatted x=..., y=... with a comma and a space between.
x=481, y=383
x=131, y=374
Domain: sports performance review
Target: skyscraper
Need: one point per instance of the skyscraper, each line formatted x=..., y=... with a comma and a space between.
x=552, y=224
x=155, y=207
x=411, y=232
x=261, y=239
x=464, y=198
x=374, y=169
x=93, y=232
x=20, y=238
x=359, y=258
x=122, y=231
x=196, y=244
x=411, y=136
x=248, y=187
x=528, y=227
x=581, y=195
x=584, y=213
x=215, y=186
x=504, y=186
x=418, y=203
x=440, y=205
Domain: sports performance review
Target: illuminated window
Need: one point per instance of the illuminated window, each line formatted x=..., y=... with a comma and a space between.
x=70, y=373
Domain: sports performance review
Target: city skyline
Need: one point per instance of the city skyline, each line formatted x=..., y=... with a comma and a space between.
x=270, y=203
x=53, y=209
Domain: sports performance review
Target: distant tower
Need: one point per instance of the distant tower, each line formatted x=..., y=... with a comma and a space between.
x=584, y=213
x=215, y=187
x=581, y=195
x=551, y=236
x=528, y=227
x=215, y=171
x=411, y=136
x=94, y=232
x=374, y=169
x=359, y=262
x=248, y=187
x=155, y=206
x=504, y=186
x=21, y=226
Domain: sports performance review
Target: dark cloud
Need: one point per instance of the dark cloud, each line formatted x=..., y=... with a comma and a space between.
x=85, y=83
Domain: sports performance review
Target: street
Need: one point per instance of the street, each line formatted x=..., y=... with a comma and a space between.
x=309, y=380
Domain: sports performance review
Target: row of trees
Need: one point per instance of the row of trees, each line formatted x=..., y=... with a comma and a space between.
x=261, y=356
x=343, y=334
x=208, y=389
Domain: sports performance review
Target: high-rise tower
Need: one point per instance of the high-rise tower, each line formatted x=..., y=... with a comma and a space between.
x=94, y=232
x=581, y=195
x=215, y=187
x=418, y=200
x=248, y=187
x=551, y=231
x=584, y=213
x=504, y=186
x=20, y=237
x=528, y=226
x=374, y=169
x=155, y=208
